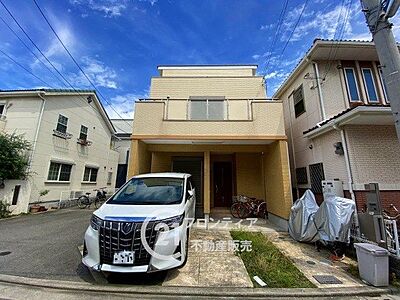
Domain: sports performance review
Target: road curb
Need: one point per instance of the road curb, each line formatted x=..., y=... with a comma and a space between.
x=196, y=291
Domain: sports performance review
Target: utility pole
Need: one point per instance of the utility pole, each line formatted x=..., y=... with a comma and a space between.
x=377, y=14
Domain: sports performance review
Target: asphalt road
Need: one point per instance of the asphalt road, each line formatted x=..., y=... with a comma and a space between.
x=46, y=246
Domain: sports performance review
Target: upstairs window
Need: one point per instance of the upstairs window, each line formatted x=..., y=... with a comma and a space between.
x=203, y=108
x=83, y=133
x=90, y=174
x=351, y=83
x=369, y=84
x=298, y=99
x=2, y=109
x=59, y=172
x=62, y=124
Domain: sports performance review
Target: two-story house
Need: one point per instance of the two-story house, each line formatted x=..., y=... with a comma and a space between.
x=123, y=128
x=71, y=141
x=214, y=122
x=339, y=122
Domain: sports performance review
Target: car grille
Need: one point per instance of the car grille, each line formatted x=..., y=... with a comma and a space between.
x=113, y=239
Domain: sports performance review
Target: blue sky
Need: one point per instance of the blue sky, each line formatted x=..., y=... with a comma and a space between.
x=119, y=43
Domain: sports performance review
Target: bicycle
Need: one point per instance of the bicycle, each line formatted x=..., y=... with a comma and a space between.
x=85, y=201
x=244, y=206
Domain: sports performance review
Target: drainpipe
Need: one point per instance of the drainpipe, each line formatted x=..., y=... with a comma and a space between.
x=321, y=98
x=37, y=129
x=349, y=173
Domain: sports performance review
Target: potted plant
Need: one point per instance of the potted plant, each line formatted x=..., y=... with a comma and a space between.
x=36, y=207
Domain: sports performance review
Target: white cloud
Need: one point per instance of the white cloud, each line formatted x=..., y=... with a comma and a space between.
x=110, y=8
x=256, y=56
x=266, y=26
x=124, y=105
x=100, y=74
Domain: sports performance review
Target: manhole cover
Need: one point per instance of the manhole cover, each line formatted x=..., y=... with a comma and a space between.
x=4, y=253
x=327, y=279
x=310, y=262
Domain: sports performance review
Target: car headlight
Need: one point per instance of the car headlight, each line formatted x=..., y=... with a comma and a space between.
x=170, y=223
x=95, y=222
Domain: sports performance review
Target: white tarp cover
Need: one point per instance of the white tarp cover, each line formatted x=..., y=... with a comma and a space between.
x=301, y=227
x=331, y=222
x=334, y=218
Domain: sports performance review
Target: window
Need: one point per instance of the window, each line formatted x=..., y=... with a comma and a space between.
x=62, y=124
x=150, y=191
x=316, y=177
x=59, y=172
x=83, y=133
x=90, y=174
x=383, y=84
x=2, y=109
x=369, y=85
x=298, y=99
x=207, y=109
x=301, y=175
x=351, y=83
x=109, y=177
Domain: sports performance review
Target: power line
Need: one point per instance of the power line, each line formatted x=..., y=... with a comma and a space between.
x=74, y=60
x=12, y=59
x=29, y=49
x=41, y=52
x=277, y=29
x=341, y=34
x=294, y=28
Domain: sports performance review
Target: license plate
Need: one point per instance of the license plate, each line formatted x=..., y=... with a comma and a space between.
x=124, y=257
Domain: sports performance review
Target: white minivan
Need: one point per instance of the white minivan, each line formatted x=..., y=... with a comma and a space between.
x=143, y=227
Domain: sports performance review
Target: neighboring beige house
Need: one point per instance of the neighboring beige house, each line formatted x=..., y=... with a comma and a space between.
x=339, y=123
x=72, y=142
x=123, y=128
x=215, y=122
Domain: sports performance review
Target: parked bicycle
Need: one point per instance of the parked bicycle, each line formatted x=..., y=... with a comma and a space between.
x=85, y=201
x=244, y=207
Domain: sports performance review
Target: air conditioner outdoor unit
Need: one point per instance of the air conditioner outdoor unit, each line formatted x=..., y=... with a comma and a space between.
x=332, y=188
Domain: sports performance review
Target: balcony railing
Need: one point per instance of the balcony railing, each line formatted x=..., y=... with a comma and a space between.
x=63, y=135
x=84, y=142
x=212, y=110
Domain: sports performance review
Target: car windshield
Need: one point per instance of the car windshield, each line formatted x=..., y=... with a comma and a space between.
x=150, y=191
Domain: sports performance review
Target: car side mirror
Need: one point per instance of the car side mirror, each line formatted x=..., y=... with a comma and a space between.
x=190, y=193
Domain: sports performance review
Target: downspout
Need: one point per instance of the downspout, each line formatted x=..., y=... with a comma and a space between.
x=349, y=173
x=37, y=130
x=321, y=98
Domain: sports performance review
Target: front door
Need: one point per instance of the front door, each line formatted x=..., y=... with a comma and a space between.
x=222, y=184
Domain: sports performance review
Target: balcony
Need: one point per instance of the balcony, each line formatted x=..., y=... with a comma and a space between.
x=63, y=135
x=240, y=119
x=84, y=142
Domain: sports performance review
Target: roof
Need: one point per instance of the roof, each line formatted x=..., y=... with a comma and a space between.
x=308, y=56
x=349, y=115
x=24, y=92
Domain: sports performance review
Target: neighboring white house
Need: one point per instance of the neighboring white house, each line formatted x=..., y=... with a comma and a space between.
x=72, y=141
x=123, y=128
x=339, y=122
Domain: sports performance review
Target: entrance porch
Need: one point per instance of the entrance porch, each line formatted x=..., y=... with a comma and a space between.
x=220, y=171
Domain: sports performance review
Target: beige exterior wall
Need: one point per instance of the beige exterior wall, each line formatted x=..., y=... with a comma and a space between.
x=374, y=156
x=277, y=178
x=229, y=87
x=267, y=120
x=249, y=175
x=22, y=117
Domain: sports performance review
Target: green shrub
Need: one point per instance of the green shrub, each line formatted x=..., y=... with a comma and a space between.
x=4, y=211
